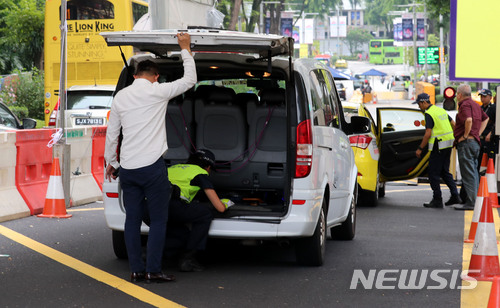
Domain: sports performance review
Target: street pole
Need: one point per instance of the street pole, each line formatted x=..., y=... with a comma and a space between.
x=442, y=64
x=414, y=46
x=61, y=149
x=425, y=40
x=338, y=34
x=261, y=17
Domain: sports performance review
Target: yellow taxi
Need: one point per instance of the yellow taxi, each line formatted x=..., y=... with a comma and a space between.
x=387, y=153
x=366, y=156
x=341, y=63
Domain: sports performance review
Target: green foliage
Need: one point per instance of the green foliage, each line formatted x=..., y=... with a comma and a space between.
x=356, y=38
x=432, y=40
x=30, y=92
x=21, y=34
x=21, y=112
x=376, y=13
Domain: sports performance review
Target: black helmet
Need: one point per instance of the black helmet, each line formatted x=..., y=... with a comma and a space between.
x=203, y=158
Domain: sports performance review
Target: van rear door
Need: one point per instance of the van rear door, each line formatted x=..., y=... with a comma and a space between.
x=164, y=41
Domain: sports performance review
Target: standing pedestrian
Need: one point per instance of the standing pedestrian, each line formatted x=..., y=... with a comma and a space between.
x=366, y=90
x=439, y=140
x=470, y=123
x=139, y=112
x=488, y=138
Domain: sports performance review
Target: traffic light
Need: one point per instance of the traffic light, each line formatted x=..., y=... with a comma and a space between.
x=449, y=98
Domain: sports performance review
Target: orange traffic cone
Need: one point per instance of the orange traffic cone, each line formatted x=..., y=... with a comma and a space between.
x=494, y=300
x=477, y=212
x=484, y=164
x=492, y=183
x=55, y=206
x=484, y=263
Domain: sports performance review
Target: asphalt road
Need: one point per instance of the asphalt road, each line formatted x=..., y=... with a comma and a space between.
x=399, y=234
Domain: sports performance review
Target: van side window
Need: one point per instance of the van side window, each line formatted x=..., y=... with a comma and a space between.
x=318, y=99
x=326, y=113
x=333, y=98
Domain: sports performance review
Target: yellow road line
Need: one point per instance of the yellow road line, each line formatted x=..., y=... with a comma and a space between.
x=85, y=210
x=93, y=272
x=477, y=297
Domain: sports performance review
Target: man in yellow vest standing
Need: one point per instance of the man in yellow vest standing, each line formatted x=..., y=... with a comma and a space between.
x=439, y=141
x=187, y=206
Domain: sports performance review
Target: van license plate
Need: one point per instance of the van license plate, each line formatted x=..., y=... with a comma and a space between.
x=89, y=121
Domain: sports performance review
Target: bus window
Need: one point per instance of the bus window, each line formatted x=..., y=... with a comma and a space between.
x=138, y=10
x=375, y=44
x=388, y=43
x=90, y=9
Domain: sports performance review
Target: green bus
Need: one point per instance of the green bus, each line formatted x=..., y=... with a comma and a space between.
x=383, y=51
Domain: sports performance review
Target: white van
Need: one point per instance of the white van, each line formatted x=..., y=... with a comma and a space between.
x=276, y=127
x=398, y=81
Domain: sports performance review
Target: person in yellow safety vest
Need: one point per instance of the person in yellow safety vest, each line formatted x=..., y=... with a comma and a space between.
x=407, y=84
x=439, y=140
x=187, y=206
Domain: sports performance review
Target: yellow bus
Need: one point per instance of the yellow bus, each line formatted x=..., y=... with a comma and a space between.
x=89, y=60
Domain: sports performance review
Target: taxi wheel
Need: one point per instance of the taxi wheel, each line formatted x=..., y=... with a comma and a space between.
x=381, y=190
x=369, y=198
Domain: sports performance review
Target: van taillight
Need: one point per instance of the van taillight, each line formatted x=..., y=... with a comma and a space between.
x=360, y=141
x=303, y=161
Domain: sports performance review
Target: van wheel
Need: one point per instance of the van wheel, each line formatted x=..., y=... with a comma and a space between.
x=119, y=244
x=347, y=229
x=310, y=251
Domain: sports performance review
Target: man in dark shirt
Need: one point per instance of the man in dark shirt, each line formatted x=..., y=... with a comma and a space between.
x=470, y=123
x=488, y=138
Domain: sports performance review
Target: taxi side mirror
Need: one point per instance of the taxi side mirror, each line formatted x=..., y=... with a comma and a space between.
x=360, y=125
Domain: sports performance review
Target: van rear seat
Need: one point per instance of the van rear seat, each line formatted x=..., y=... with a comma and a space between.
x=220, y=125
x=267, y=143
x=179, y=125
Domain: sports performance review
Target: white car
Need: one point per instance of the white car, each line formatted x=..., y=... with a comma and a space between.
x=277, y=131
x=87, y=105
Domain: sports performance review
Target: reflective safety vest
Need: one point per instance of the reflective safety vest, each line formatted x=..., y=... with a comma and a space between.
x=181, y=175
x=442, y=130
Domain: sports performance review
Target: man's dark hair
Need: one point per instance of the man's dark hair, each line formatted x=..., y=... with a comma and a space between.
x=147, y=66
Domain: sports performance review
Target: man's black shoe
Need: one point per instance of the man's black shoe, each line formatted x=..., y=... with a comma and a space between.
x=137, y=276
x=435, y=203
x=190, y=265
x=454, y=199
x=159, y=277
x=464, y=207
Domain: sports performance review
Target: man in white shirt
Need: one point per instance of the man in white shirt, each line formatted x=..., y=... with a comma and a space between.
x=139, y=110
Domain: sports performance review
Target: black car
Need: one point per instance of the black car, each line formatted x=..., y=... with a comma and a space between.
x=8, y=120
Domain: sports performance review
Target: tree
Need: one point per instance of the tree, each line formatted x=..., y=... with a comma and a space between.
x=21, y=32
x=377, y=13
x=356, y=37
